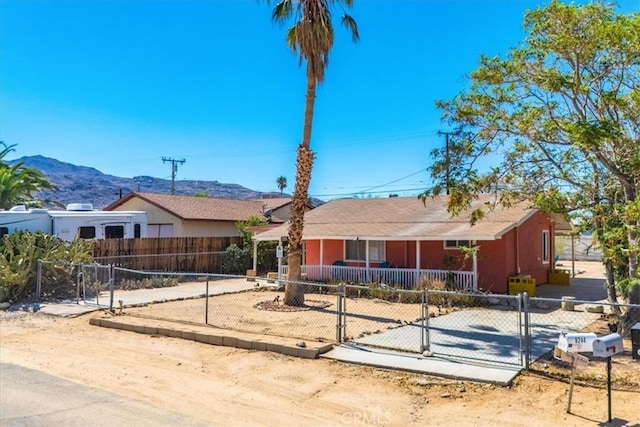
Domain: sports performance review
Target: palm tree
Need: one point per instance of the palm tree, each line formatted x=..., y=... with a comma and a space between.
x=17, y=182
x=310, y=36
x=282, y=183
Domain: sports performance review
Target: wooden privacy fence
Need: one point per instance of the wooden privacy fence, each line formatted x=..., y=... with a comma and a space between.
x=179, y=254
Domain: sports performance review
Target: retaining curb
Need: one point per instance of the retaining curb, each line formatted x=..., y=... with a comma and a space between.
x=227, y=338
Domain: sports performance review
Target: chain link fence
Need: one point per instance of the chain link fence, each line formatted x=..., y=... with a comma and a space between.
x=511, y=330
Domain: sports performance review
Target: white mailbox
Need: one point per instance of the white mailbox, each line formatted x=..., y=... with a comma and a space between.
x=576, y=343
x=607, y=346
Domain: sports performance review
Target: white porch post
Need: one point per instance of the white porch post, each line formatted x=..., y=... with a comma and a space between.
x=322, y=259
x=475, y=269
x=255, y=255
x=366, y=252
x=417, y=261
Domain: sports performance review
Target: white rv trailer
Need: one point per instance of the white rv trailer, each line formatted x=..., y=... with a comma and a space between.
x=21, y=218
x=79, y=220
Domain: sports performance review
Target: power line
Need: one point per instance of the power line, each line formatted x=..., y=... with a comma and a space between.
x=394, y=181
x=174, y=170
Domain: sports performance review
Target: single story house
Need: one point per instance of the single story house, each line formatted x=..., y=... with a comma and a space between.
x=402, y=240
x=190, y=216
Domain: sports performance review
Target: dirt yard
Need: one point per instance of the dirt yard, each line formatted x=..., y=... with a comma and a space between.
x=226, y=386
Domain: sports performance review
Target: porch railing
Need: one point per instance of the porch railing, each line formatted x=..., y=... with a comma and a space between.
x=403, y=278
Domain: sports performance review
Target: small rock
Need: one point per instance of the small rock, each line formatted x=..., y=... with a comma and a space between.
x=4, y=305
x=302, y=344
x=594, y=309
x=445, y=395
x=462, y=390
x=421, y=381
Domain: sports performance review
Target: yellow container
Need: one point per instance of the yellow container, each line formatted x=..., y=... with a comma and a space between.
x=559, y=277
x=519, y=284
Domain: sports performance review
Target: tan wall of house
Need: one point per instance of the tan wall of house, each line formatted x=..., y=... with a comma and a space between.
x=155, y=215
x=209, y=229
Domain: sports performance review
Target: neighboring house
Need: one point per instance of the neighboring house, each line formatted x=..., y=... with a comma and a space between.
x=406, y=239
x=190, y=216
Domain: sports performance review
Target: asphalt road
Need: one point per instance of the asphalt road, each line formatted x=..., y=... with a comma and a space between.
x=30, y=398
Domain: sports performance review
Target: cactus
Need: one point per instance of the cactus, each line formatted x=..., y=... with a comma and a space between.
x=19, y=255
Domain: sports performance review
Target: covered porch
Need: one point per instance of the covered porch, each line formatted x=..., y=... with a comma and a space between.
x=401, y=278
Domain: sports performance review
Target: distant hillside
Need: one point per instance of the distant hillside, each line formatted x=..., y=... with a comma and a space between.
x=89, y=185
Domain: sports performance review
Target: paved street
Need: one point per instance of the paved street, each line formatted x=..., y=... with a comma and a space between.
x=30, y=398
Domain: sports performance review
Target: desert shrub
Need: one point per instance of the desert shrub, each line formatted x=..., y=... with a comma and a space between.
x=148, y=283
x=236, y=260
x=19, y=255
x=440, y=296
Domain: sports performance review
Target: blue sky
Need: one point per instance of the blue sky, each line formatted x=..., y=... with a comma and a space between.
x=117, y=85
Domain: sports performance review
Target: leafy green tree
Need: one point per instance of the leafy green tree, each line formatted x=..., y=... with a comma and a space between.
x=282, y=183
x=202, y=193
x=266, y=250
x=310, y=36
x=559, y=119
x=17, y=182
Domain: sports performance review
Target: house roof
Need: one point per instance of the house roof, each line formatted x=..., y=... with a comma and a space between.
x=200, y=208
x=275, y=203
x=403, y=218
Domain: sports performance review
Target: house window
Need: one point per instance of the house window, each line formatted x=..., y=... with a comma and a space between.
x=456, y=244
x=113, y=232
x=136, y=231
x=86, y=232
x=4, y=231
x=356, y=250
x=545, y=247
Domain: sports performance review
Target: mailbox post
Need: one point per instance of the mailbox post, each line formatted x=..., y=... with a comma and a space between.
x=608, y=346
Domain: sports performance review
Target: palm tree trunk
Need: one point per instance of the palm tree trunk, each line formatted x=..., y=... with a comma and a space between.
x=294, y=293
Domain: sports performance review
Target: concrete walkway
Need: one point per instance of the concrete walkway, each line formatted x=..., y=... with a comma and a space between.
x=150, y=296
x=428, y=365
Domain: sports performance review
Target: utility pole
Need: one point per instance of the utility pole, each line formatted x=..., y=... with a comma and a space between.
x=446, y=154
x=174, y=170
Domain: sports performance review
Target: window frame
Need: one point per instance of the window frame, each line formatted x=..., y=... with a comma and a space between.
x=84, y=228
x=466, y=243
x=108, y=231
x=352, y=254
x=545, y=254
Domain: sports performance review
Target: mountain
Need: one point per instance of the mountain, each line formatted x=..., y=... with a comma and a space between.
x=88, y=185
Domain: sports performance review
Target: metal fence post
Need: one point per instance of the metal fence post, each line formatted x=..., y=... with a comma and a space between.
x=520, y=331
x=340, y=310
x=38, y=280
x=84, y=284
x=112, y=279
x=78, y=275
x=527, y=332
x=206, y=303
x=425, y=339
